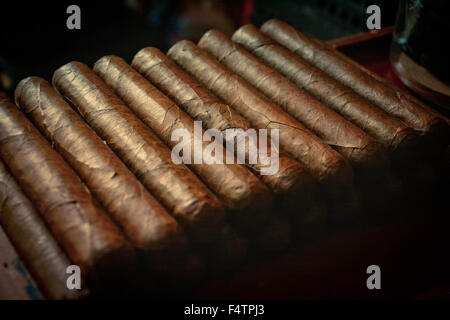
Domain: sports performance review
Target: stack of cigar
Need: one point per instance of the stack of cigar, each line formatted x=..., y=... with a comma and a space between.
x=87, y=175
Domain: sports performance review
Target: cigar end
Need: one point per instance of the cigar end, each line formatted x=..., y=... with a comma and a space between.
x=202, y=220
x=293, y=179
x=373, y=155
x=270, y=23
x=180, y=46
x=66, y=69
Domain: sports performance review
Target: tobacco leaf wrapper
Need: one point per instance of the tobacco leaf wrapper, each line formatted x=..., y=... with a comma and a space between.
x=181, y=191
x=323, y=162
x=88, y=236
x=199, y=103
x=146, y=223
x=39, y=250
x=233, y=183
x=349, y=140
x=372, y=87
x=388, y=130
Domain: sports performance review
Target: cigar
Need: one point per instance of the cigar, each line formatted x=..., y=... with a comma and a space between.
x=37, y=248
x=349, y=140
x=175, y=186
x=86, y=233
x=234, y=184
x=200, y=104
x=324, y=163
x=385, y=95
x=389, y=131
x=146, y=222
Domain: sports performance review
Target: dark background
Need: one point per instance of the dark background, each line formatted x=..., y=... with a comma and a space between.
x=34, y=39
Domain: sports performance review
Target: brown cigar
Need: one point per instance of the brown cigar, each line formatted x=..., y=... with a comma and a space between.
x=37, y=248
x=393, y=100
x=186, y=197
x=349, y=140
x=389, y=131
x=84, y=230
x=323, y=162
x=146, y=223
x=237, y=187
x=202, y=105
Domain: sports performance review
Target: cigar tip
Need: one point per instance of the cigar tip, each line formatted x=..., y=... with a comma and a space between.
x=244, y=28
x=181, y=45
x=29, y=83
x=202, y=217
x=208, y=34
x=20, y=87
x=147, y=57
x=373, y=155
x=106, y=58
x=67, y=68
x=270, y=22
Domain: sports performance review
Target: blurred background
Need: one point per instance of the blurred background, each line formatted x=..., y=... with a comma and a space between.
x=34, y=39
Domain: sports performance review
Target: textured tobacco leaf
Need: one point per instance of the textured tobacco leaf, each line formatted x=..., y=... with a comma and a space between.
x=379, y=91
x=200, y=104
x=180, y=190
x=349, y=140
x=233, y=183
x=37, y=248
x=388, y=130
x=90, y=239
x=323, y=162
x=146, y=223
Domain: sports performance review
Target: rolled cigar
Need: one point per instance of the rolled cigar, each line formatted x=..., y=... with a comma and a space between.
x=146, y=223
x=90, y=239
x=38, y=249
x=324, y=163
x=379, y=91
x=388, y=130
x=234, y=184
x=181, y=191
x=199, y=103
x=349, y=140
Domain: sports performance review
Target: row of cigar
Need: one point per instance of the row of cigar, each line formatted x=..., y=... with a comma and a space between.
x=86, y=175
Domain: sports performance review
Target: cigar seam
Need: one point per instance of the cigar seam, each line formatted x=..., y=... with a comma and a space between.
x=104, y=243
x=277, y=88
x=392, y=100
x=182, y=192
x=144, y=221
x=233, y=183
x=219, y=72
x=200, y=104
x=254, y=40
x=43, y=257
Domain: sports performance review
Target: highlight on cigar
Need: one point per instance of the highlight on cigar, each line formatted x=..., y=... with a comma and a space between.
x=181, y=191
x=39, y=250
x=393, y=100
x=143, y=219
x=199, y=103
x=232, y=183
x=322, y=162
x=389, y=131
x=345, y=137
x=88, y=236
